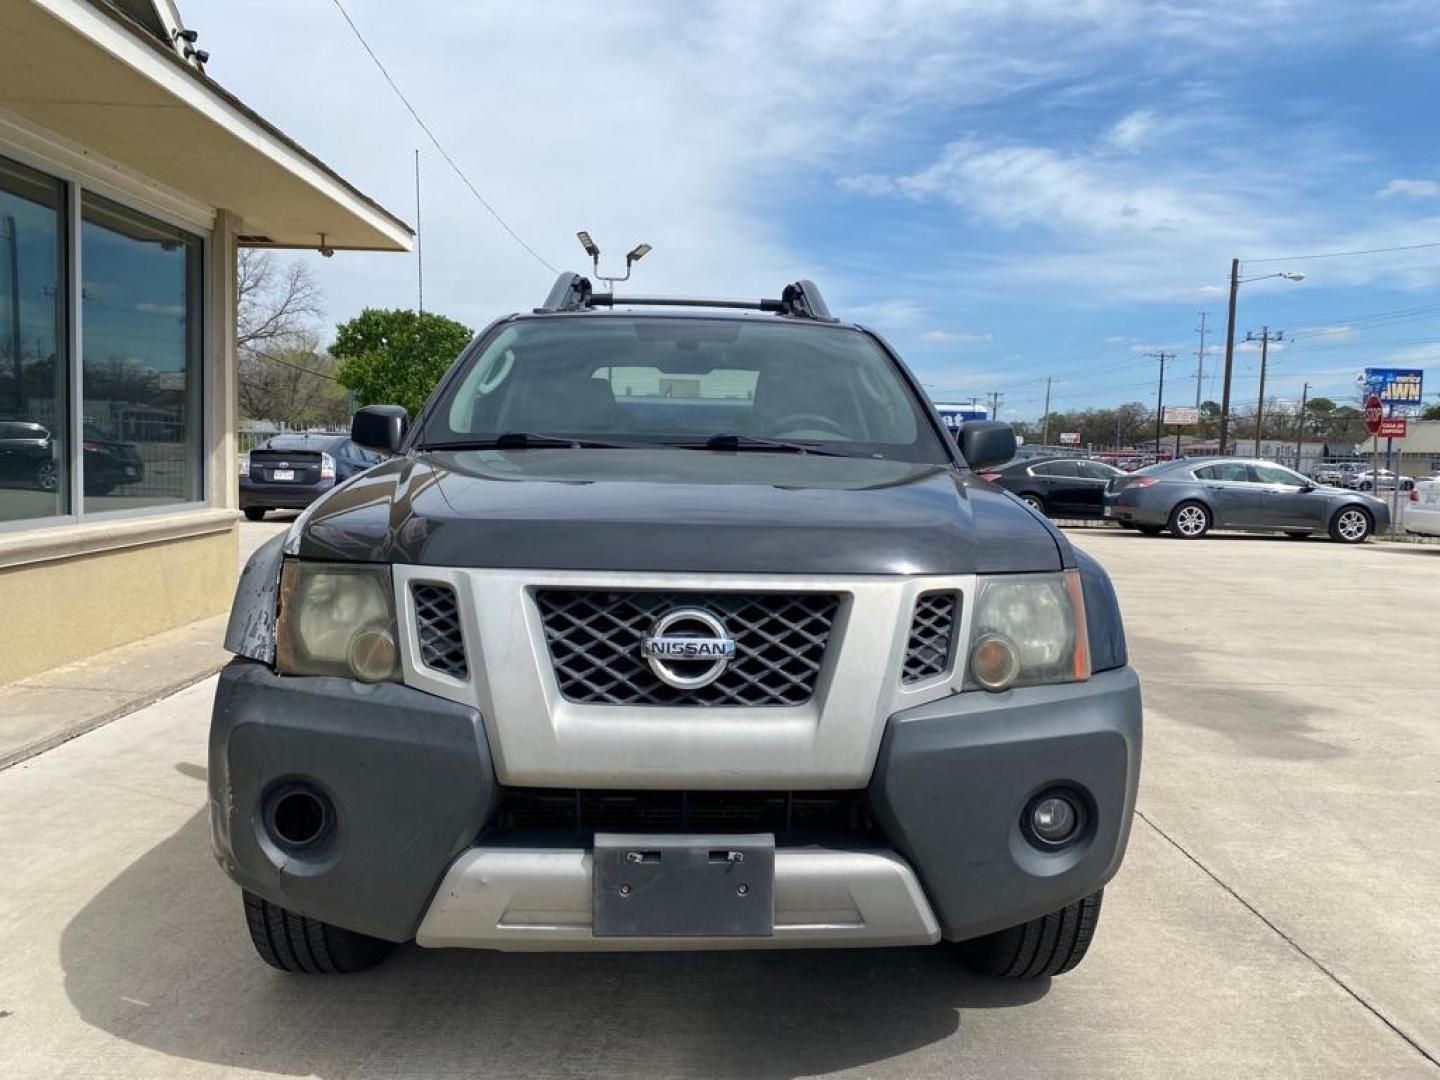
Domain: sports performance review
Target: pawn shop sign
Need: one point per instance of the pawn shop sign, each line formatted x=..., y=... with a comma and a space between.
x=1374, y=414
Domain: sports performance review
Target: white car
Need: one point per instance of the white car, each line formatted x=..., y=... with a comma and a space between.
x=1422, y=510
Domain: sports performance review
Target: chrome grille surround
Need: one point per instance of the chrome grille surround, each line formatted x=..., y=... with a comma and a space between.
x=930, y=649
x=594, y=642
x=539, y=738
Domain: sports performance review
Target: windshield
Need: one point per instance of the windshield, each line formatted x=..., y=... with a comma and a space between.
x=658, y=381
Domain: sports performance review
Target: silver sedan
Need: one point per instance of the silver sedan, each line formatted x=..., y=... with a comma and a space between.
x=1189, y=498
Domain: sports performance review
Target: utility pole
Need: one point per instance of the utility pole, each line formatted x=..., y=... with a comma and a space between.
x=419, y=257
x=1265, y=338
x=995, y=396
x=1045, y=423
x=12, y=234
x=1300, y=427
x=1229, y=354
x=1200, y=360
x=1160, y=399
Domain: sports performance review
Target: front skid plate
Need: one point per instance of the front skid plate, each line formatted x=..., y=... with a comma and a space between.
x=539, y=899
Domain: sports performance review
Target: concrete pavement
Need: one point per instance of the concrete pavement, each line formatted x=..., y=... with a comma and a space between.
x=1273, y=917
x=46, y=709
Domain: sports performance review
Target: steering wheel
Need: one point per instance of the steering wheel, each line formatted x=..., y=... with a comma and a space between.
x=805, y=421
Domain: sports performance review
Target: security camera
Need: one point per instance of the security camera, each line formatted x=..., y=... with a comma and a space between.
x=188, y=35
x=328, y=252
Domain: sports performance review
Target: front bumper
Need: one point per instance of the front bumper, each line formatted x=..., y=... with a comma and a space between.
x=413, y=785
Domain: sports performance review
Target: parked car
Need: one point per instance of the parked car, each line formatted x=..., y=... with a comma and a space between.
x=1059, y=487
x=289, y=472
x=30, y=457
x=690, y=629
x=1191, y=497
x=1335, y=473
x=1377, y=480
x=27, y=455
x=1422, y=511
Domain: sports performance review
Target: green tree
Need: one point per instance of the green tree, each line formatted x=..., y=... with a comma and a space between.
x=391, y=356
x=1432, y=412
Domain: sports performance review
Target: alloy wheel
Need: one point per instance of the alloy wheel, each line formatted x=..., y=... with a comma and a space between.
x=1190, y=520
x=1352, y=525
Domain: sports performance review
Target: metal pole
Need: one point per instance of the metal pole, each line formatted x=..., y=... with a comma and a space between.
x=419, y=256
x=1300, y=427
x=1229, y=355
x=1260, y=406
x=1045, y=429
x=1200, y=361
x=1159, y=405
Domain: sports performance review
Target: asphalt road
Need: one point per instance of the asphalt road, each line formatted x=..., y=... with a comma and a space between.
x=1275, y=915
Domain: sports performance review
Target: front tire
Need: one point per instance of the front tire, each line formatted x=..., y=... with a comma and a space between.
x=1351, y=525
x=1150, y=530
x=302, y=945
x=1050, y=945
x=1190, y=521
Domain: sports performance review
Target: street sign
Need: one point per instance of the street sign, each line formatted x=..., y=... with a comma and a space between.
x=1069, y=438
x=1398, y=388
x=1181, y=415
x=1392, y=427
x=1374, y=414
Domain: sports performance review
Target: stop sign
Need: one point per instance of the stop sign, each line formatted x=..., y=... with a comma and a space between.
x=1374, y=413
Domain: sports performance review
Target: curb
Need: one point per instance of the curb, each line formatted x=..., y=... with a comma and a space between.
x=82, y=727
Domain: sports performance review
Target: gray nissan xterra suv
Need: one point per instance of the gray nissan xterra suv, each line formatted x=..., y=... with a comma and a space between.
x=674, y=630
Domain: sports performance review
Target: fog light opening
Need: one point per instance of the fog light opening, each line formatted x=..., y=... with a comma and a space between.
x=299, y=816
x=1054, y=818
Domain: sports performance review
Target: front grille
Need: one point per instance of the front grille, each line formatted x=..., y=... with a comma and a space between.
x=437, y=625
x=594, y=640
x=932, y=636
x=579, y=811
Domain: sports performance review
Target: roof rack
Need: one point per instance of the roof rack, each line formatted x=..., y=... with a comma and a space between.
x=572, y=292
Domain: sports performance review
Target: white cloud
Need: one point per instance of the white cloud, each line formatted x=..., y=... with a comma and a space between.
x=1114, y=339
x=1415, y=189
x=951, y=337
x=1327, y=334
x=1131, y=130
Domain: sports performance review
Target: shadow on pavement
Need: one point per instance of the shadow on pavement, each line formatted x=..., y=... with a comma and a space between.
x=160, y=958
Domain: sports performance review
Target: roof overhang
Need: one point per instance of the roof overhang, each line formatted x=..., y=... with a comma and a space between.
x=83, y=72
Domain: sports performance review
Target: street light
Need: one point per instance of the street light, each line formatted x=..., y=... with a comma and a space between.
x=634, y=255
x=1235, y=282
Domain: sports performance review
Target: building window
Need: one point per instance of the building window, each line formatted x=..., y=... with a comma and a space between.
x=34, y=463
x=141, y=320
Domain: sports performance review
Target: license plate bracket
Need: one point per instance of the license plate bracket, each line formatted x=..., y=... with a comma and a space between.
x=683, y=886
x=283, y=474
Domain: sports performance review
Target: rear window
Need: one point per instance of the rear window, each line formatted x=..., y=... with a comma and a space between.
x=668, y=380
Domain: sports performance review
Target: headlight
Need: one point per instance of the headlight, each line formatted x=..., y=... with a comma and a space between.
x=337, y=619
x=1027, y=629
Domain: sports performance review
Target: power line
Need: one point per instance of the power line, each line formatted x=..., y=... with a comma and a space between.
x=426, y=128
x=1343, y=254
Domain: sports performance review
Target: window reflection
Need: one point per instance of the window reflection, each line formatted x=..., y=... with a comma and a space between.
x=140, y=334
x=33, y=474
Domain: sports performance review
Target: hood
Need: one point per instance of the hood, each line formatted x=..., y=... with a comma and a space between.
x=669, y=510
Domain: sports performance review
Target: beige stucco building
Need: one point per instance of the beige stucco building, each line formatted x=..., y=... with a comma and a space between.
x=128, y=179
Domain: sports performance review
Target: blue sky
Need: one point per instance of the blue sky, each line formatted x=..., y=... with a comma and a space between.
x=1007, y=191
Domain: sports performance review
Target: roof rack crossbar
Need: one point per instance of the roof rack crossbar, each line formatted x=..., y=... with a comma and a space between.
x=611, y=300
x=572, y=292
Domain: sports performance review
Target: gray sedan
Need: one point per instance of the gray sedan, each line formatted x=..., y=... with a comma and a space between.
x=1191, y=497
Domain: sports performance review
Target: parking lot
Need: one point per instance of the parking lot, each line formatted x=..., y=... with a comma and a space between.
x=1275, y=915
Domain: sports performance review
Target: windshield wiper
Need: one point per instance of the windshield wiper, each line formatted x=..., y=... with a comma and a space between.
x=735, y=443
x=532, y=440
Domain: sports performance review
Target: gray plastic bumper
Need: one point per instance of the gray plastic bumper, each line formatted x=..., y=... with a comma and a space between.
x=955, y=776
x=409, y=776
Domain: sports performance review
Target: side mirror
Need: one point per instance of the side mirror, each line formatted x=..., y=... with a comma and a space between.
x=1305, y=489
x=986, y=443
x=380, y=427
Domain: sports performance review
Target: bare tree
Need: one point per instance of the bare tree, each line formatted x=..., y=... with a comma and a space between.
x=283, y=374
